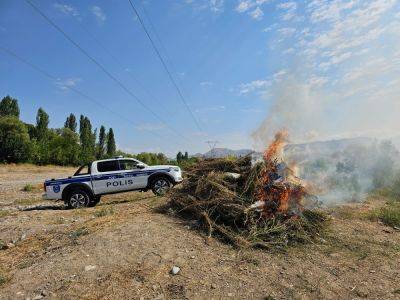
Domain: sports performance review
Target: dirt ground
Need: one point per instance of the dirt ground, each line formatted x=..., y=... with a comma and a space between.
x=124, y=249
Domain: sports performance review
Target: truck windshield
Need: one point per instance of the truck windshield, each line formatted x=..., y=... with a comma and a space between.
x=83, y=170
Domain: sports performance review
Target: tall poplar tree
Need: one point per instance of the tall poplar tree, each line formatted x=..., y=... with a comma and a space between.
x=111, y=147
x=71, y=122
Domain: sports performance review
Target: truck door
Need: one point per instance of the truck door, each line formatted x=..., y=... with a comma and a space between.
x=108, y=177
x=134, y=177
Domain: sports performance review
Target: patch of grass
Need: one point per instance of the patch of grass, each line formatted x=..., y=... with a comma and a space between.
x=388, y=215
x=4, y=213
x=78, y=233
x=29, y=188
x=344, y=212
x=388, y=193
x=105, y=211
x=247, y=257
x=3, y=245
x=24, y=264
x=3, y=278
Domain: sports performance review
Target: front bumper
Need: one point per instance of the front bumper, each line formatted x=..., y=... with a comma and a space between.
x=178, y=180
x=45, y=196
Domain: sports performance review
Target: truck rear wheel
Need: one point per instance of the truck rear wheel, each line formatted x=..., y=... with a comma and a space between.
x=78, y=198
x=160, y=186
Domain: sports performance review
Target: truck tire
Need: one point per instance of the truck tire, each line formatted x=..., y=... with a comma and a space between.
x=160, y=185
x=78, y=198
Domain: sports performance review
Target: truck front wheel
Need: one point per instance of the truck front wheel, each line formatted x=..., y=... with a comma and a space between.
x=160, y=186
x=78, y=198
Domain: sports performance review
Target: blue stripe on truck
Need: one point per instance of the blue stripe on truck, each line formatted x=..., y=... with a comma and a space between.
x=102, y=177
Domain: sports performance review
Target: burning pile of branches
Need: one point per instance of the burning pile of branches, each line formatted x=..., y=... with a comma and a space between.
x=249, y=205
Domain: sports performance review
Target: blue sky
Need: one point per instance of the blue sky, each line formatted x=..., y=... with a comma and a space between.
x=245, y=68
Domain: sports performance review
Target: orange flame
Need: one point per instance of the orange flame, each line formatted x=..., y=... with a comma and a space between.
x=274, y=189
x=276, y=147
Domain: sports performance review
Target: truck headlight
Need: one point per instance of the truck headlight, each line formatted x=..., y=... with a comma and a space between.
x=176, y=169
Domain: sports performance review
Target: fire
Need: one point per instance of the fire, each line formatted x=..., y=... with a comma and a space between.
x=274, y=151
x=279, y=190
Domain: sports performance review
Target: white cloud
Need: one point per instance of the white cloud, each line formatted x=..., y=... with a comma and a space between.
x=269, y=28
x=206, y=83
x=288, y=51
x=98, y=13
x=287, y=31
x=217, y=5
x=66, y=9
x=257, y=14
x=243, y=6
x=252, y=8
x=254, y=86
x=278, y=75
x=289, y=9
x=65, y=84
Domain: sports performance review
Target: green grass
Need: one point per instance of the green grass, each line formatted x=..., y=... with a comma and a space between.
x=388, y=215
x=4, y=213
x=78, y=233
x=2, y=245
x=3, y=279
x=105, y=211
x=29, y=188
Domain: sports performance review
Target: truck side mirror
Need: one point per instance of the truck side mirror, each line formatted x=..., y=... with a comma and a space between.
x=140, y=166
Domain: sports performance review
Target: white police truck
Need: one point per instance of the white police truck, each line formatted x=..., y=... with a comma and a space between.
x=111, y=176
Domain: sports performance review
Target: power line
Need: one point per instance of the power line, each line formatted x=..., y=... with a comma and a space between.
x=52, y=77
x=165, y=66
x=212, y=144
x=117, y=61
x=119, y=83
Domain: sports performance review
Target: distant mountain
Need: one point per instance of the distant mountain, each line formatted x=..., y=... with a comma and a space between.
x=300, y=151
x=224, y=152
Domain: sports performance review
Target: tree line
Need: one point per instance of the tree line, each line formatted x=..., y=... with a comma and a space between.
x=76, y=143
x=39, y=144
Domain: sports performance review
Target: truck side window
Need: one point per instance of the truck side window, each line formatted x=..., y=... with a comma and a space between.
x=128, y=164
x=84, y=170
x=108, y=166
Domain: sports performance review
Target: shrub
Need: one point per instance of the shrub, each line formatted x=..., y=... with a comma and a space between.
x=28, y=188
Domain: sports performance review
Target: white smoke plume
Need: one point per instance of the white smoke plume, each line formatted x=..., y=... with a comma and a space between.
x=341, y=79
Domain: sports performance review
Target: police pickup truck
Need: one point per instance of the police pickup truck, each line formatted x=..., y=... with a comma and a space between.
x=110, y=176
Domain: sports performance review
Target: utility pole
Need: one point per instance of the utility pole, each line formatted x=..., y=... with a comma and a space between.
x=212, y=144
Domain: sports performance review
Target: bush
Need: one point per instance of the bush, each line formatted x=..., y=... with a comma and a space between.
x=28, y=188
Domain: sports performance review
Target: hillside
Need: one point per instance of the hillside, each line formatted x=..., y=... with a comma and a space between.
x=225, y=152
